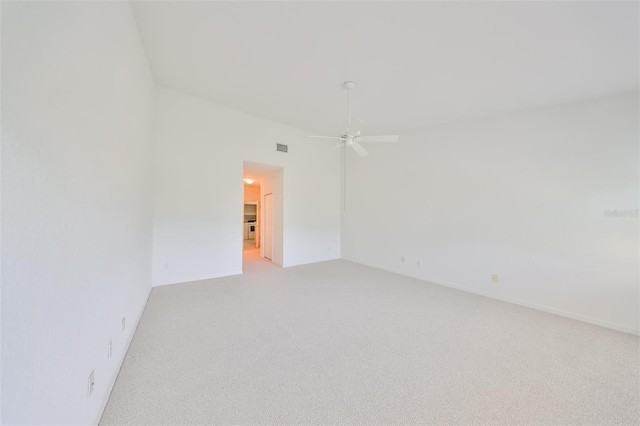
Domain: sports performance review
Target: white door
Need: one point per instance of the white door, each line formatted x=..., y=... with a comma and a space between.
x=268, y=226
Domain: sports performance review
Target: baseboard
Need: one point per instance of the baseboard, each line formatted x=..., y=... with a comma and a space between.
x=201, y=278
x=121, y=359
x=543, y=308
x=312, y=262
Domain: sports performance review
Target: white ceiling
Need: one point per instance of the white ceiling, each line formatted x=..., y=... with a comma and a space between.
x=415, y=63
x=257, y=171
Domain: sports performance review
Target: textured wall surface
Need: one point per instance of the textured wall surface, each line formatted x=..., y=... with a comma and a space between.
x=522, y=195
x=77, y=109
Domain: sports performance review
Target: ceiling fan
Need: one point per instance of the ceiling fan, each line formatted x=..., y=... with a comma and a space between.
x=352, y=140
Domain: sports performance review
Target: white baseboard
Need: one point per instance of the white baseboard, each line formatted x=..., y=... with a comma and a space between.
x=583, y=318
x=290, y=265
x=121, y=359
x=201, y=278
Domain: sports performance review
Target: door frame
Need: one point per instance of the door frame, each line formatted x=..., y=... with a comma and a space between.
x=268, y=223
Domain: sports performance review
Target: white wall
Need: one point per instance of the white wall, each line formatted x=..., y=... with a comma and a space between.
x=200, y=151
x=251, y=192
x=77, y=109
x=272, y=184
x=520, y=195
x=0, y=215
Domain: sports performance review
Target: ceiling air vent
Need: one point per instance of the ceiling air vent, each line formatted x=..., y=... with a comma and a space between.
x=281, y=147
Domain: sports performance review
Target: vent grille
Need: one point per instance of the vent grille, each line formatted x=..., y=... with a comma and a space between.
x=282, y=148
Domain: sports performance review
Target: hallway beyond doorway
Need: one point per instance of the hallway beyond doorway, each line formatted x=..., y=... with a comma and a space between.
x=252, y=262
x=263, y=209
x=249, y=245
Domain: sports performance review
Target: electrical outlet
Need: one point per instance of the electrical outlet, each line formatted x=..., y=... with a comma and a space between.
x=90, y=384
x=402, y=259
x=420, y=263
x=495, y=278
x=124, y=323
x=109, y=350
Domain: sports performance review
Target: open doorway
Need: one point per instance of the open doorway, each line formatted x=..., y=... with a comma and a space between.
x=262, y=213
x=251, y=218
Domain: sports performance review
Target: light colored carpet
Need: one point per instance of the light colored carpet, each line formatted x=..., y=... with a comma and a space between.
x=341, y=343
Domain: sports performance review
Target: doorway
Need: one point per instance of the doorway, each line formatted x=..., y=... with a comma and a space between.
x=262, y=214
x=251, y=224
x=251, y=215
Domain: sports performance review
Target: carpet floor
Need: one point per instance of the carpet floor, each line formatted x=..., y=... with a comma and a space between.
x=340, y=343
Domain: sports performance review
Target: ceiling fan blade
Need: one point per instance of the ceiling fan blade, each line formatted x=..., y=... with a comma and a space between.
x=379, y=138
x=323, y=137
x=359, y=149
